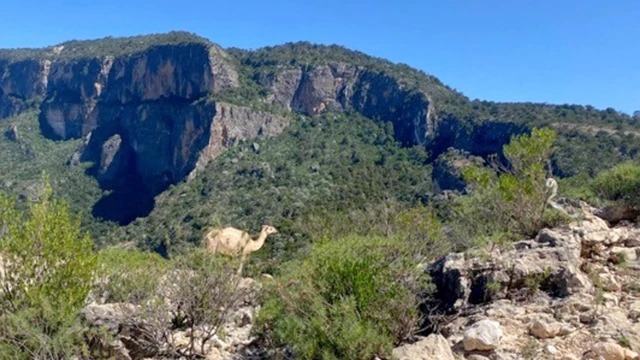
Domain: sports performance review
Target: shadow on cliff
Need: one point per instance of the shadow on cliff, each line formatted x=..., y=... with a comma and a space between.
x=479, y=139
x=125, y=203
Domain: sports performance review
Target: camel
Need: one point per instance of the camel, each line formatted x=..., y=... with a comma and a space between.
x=552, y=184
x=233, y=242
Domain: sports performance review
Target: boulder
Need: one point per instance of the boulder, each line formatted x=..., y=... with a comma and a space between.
x=450, y=277
x=433, y=347
x=550, y=349
x=608, y=282
x=608, y=351
x=483, y=335
x=111, y=316
x=622, y=254
x=630, y=355
x=617, y=213
x=545, y=328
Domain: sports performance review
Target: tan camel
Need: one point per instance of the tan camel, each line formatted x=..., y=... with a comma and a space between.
x=552, y=184
x=233, y=242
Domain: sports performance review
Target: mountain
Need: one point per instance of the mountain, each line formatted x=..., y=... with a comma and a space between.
x=179, y=133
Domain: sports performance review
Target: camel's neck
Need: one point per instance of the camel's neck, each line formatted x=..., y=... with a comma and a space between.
x=256, y=244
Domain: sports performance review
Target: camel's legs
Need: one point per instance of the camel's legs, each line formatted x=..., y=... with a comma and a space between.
x=241, y=266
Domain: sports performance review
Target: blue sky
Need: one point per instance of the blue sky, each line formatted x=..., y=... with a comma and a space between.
x=555, y=51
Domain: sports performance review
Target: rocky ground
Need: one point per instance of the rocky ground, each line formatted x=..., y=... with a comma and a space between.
x=573, y=292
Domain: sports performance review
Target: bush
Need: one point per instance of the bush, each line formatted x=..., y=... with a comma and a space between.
x=417, y=225
x=579, y=188
x=202, y=291
x=509, y=199
x=128, y=275
x=48, y=266
x=620, y=184
x=353, y=298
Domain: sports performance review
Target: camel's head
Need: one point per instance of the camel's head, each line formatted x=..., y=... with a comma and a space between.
x=269, y=230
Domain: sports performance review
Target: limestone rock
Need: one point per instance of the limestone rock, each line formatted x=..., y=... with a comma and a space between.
x=609, y=282
x=449, y=275
x=544, y=328
x=623, y=254
x=550, y=349
x=609, y=351
x=21, y=81
x=12, y=133
x=433, y=347
x=634, y=310
x=630, y=355
x=483, y=335
x=617, y=213
x=232, y=124
x=112, y=316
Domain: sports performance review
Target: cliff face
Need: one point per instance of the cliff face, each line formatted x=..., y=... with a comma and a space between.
x=79, y=89
x=20, y=83
x=145, y=116
x=342, y=87
x=149, y=121
x=482, y=139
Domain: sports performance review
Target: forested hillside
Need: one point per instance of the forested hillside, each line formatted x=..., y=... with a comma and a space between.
x=363, y=132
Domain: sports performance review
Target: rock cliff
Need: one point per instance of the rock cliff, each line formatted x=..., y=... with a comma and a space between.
x=145, y=115
x=152, y=110
x=342, y=87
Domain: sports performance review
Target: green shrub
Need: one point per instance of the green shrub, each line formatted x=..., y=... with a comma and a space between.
x=48, y=266
x=350, y=299
x=578, y=188
x=620, y=184
x=417, y=225
x=128, y=275
x=508, y=200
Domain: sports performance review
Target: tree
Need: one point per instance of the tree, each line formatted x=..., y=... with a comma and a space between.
x=47, y=275
x=508, y=199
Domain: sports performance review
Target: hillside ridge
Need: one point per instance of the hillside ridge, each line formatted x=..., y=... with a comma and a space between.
x=153, y=111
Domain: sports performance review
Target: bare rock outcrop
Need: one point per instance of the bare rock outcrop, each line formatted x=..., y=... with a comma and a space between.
x=20, y=83
x=232, y=124
x=485, y=335
x=341, y=86
x=567, y=294
x=433, y=347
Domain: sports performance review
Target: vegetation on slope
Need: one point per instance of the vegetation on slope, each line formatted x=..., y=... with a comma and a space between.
x=619, y=184
x=109, y=46
x=26, y=153
x=280, y=183
x=327, y=165
x=273, y=58
x=351, y=298
x=47, y=268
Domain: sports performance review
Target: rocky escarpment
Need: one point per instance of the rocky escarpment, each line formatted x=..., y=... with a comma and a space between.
x=22, y=83
x=81, y=91
x=146, y=115
x=147, y=147
x=344, y=87
x=479, y=139
x=145, y=106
